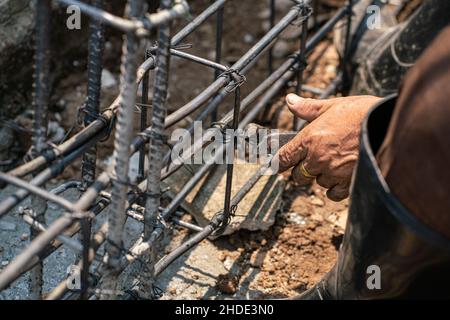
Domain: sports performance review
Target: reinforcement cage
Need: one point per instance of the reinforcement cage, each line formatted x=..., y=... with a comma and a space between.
x=112, y=189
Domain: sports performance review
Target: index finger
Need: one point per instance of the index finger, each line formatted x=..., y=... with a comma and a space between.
x=291, y=153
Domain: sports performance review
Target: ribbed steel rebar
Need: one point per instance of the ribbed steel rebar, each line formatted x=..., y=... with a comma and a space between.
x=121, y=155
x=40, y=101
x=159, y=112
x=156, y=153
x=92, y=108
x=301, y=57
x=144, y=110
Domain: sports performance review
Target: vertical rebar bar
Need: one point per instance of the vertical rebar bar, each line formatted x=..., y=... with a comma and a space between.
x=121, y=155
x=86, y=227
x=144, y=109
x=92, y=109
x=218, y=54
x=298, y=123
x=344, y=60
x=40, y=109
x=159, y=113
x=155, y=155
x=231, y=143
x=41, y=75
x=153, y=7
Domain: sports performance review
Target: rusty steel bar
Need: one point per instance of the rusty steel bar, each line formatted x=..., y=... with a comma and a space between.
x=40, y=124
x=92, y=108
x=198, y=21
x=219, y=35
x=157, y=140
x=144, y=110
x=41, y=193
x=138, y=26
x=159, y=112
x=228, y=210
x=199, y=60
x=122, y=141
x=297, y=124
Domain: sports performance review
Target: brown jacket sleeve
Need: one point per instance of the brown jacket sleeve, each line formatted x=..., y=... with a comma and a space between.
x=415, y=156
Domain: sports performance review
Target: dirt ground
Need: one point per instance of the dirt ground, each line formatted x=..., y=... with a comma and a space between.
x=303, y=244
x=294, y=254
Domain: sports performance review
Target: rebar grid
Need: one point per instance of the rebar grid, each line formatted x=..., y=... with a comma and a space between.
x=125, y=199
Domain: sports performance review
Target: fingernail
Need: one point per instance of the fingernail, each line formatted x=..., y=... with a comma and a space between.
x=292, y=98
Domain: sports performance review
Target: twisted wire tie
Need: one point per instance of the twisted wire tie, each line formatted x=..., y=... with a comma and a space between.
x=236, y=78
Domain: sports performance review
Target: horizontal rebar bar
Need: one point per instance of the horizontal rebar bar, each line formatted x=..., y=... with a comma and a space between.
x=197, y=22
x=69, y=242
x=199, y=60
x=139, y=26
x=42, y=193
x=66, y=186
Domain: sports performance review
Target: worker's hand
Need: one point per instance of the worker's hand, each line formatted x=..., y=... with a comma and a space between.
x=327, y=147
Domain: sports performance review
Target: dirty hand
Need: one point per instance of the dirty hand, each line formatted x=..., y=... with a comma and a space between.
x=327, y=148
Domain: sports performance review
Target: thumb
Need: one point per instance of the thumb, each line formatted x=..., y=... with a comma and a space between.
x=306, y=108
